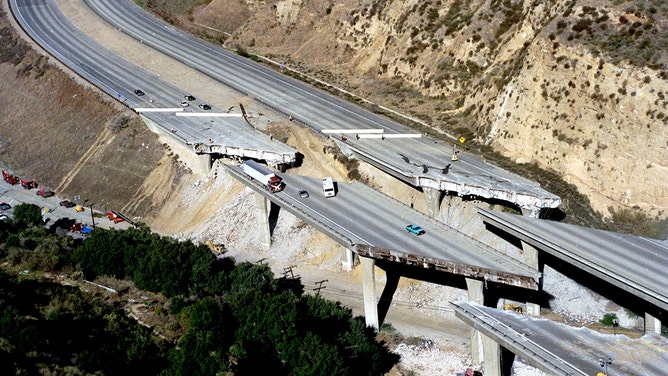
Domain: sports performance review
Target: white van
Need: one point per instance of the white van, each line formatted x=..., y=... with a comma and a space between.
x=328, y=187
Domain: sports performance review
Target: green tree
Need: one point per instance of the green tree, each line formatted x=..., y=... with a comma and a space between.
x=29, y=214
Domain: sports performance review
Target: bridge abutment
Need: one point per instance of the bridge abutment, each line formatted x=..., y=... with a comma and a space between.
x=262, y=210
x=369, y=292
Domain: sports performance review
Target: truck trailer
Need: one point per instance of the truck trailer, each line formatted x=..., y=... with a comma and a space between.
x=260, y=173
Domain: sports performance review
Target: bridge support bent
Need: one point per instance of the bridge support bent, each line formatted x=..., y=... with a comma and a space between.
x=476, y=295
x=262, y=207
x=433, y=197
x=369, y=292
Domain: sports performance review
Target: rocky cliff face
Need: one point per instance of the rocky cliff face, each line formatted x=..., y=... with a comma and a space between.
x=578, y=87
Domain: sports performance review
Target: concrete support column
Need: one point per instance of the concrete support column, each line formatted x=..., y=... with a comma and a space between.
x=262, y=207
x=652, y=324
x=476, y=295
x=492, y=352
x=531, y=259
x=433, y=197
x=369, y=291
x=205, y=162
x=348, y=259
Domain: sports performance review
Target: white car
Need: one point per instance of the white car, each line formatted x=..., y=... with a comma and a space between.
x=184, y=104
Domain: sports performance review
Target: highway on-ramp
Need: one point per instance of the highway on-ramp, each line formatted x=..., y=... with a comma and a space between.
x=423, y=162
x=47, y=25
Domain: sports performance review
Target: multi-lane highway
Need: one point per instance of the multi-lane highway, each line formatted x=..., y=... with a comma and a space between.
x=423, y=162
x=557, y=349
x=632, y=263
x=362, y=217
x=46, y=24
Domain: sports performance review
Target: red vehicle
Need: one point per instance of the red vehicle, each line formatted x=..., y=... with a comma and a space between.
x=113, y=216
x=45, y=193
x=28, y=184
x=9, y=178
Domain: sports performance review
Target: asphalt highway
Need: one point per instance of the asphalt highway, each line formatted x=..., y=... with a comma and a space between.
x=359, y=215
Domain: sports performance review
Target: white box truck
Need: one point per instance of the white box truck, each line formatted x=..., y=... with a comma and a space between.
x=328, y=187
x=260, y=173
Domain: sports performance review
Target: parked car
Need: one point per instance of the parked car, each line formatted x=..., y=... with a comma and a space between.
x=204, y=106
x=184, y=104
x=4, y=217
x=189, y=98
x=5, y=206
x=139, y=93
x=303, y=193
x=67, y=204
x=415, y=229
x=45, y=193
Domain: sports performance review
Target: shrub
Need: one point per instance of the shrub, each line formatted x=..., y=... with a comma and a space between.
x=608, y=319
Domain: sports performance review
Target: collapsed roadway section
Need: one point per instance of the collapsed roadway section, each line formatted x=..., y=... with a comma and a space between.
x=162, y=106
x=431, y=165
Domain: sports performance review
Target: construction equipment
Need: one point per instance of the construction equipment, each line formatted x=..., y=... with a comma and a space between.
x=454, y=153
x=118, y=217
x=513, y=307
x=9, y=178
x=113, y=216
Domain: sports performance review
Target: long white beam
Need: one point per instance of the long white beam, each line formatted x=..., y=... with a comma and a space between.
x=394, y=135
x=155, y=109
x=209, y=114
x=355, y=131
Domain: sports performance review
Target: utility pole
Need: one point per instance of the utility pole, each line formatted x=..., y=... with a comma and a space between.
x=92, y=217
x=320, y=286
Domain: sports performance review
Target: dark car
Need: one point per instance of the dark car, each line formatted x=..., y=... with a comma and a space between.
x=189, y=98
x=415, y=229
x=139, y=93
x=5, y=206
x=67, y=204
x=303, y=193
x=45, y=193
x=204, y=106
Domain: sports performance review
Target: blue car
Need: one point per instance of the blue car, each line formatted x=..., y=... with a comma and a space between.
x=415, y=229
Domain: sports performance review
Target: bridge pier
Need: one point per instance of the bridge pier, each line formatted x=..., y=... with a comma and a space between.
x=369, y=292
x=531, y=259
x=433, y=197
x=652, y=324
x=262, y=207
x=492, y=355
x=206, y=162
x=348, y=259
x=476, y=295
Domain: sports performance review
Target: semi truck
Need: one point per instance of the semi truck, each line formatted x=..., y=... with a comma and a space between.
x=9, y=178
x=260, y=173
x=328, y=187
